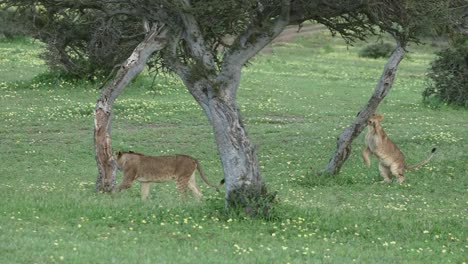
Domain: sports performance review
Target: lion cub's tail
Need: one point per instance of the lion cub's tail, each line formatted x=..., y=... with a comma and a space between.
x=419, y=164
x=204, y=178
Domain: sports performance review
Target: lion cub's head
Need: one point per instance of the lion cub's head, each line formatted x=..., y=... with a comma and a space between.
x=118, y=157
x=375, y=120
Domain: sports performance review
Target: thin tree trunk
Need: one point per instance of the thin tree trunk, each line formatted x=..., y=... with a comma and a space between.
x=343, y=144
x=107, y=168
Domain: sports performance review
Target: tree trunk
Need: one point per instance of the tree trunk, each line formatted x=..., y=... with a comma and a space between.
x=107, y=168
x=237, y=153
x=343, y=144
x=245, y=188
x=244, y=185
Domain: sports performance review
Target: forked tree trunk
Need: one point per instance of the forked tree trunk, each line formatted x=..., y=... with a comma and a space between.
x=245, y=188
x=107, y=168
x=215, y=90
x=344, y=141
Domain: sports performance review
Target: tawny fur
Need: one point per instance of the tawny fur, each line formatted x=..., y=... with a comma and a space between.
x=391, y=159
x=148, y=169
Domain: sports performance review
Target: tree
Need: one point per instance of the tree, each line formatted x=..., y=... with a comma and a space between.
x=154, y=41
x=343, y=144
x=404, y=21
x=83, y=39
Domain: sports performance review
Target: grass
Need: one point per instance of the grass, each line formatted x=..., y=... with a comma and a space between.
x=295, y=102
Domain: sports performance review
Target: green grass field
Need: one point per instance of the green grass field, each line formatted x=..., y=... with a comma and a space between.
x=295, y=102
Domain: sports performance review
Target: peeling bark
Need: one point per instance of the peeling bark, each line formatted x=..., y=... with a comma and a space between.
x=106, y=165
x=343, y=143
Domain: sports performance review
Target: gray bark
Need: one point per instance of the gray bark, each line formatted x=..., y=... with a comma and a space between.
x=344, y=141
x=238, y=155
x=107, y=168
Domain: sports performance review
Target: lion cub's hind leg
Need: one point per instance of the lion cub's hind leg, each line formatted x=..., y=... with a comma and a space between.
x=192, y=184
x=385, y=173
x=397, y=171
x=181, y=184
x=144, y=190
x=366, y=152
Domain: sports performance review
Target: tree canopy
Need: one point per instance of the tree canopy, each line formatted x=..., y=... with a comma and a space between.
x=84, y=37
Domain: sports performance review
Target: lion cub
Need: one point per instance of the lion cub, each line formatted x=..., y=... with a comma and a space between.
x=390, y=157
x=148, y=169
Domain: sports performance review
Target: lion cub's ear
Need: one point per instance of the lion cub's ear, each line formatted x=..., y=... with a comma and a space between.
x=118, y=153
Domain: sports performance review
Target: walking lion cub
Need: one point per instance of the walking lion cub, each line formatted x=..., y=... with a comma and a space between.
x=390, y=157
x=148, y=169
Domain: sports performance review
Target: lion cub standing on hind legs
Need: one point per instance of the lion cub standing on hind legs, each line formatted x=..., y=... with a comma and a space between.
x=390, y=157
x=148, y=169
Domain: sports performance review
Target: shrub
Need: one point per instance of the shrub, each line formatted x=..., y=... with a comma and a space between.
x=87, y=47
x=377, y=50
x=79, y=44
x=11, y=27
x=448, y=77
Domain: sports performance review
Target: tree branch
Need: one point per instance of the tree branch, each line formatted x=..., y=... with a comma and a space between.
x=195, y=40
x=155, y=40
x=174, y=63
x=248, y=44
x=255, y=38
